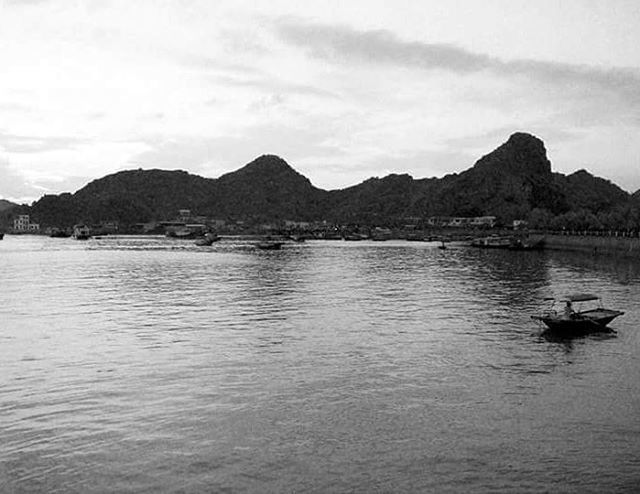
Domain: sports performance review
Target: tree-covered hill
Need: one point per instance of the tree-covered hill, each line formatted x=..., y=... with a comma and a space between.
x=515, y=181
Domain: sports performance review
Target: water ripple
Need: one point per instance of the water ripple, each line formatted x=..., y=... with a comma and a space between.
x=142, y=364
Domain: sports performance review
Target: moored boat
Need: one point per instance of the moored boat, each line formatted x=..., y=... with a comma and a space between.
x=492, y=242
x=512, y=242
x=59, y=233
x=207, y=239
x=81, y=232
x=584, y=320
x=269, y=245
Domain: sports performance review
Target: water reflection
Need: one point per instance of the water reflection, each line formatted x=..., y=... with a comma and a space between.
x=567, y=342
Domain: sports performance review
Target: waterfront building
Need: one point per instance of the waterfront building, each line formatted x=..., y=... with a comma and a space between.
x=22, y=224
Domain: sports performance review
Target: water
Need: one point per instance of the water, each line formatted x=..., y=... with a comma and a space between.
x=151, y=365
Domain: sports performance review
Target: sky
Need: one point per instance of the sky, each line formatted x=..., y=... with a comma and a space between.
x=342, y=90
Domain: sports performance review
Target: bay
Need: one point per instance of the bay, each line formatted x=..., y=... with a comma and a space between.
x=144, y=364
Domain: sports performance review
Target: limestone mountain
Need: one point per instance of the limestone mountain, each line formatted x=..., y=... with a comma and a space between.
x=266, y=189
x=509, y=183
x=129, y=197
x=594, y=194
x=376, y=200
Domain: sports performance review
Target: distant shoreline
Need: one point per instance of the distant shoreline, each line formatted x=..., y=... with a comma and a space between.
x=620, y=244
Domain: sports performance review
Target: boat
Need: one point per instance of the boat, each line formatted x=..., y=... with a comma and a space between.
x=207, y=239
x=59, y=233
x=183, y=233
x=415, y=237
x=81, y=232
x=269, y=245
x=354, y=237
x=492, y=242
x=593, y=318
x=509, y=242
x=527, y=244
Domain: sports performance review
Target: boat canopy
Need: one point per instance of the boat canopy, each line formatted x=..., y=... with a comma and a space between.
x=581, y=297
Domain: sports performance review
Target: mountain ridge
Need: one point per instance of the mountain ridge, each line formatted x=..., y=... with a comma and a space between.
x=6, y=205
x=509, y=182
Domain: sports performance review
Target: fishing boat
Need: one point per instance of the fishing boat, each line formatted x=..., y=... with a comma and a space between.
x=594, y=317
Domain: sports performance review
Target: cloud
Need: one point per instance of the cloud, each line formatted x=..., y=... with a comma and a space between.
x=343, y=45
x=13, y=143
x=17, y=188
x=272, y=84
x=212, y=157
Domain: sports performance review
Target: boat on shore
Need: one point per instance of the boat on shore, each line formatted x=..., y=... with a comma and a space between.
x=568, y=320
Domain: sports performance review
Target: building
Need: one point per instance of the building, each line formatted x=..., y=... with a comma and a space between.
x=22, y=224
x=487, y=221
x=184, y=215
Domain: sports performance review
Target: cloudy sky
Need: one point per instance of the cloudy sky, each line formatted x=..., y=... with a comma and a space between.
x=343, y=90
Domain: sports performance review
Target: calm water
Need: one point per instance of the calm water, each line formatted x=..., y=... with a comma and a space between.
x=151, y=365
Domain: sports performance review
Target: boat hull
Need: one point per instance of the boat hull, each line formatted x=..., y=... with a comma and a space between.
x=583, y=322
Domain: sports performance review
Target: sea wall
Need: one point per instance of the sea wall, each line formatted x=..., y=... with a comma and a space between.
x=627, y=246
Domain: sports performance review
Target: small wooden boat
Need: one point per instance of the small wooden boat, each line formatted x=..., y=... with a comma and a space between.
x=570, y=321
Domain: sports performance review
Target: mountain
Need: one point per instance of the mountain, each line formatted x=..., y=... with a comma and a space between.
x=594, y=194
x=266, y=189
x=376, y=200
x=509, y=182
x=5, y=205
x=129, y=197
